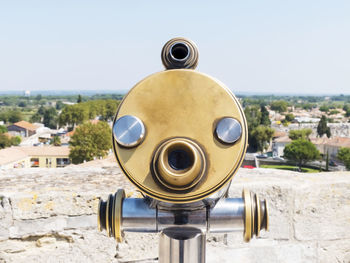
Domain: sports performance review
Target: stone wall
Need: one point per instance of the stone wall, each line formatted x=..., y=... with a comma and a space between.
x=49, y=215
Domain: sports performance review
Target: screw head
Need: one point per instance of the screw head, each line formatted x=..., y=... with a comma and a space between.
x=228, y=130
x=128, y=131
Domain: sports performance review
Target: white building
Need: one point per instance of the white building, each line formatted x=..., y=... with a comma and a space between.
x=279, y=144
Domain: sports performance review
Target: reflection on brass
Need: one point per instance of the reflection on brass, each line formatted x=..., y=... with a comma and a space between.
x=110, y=215
x=180, y=136
x=247, y=215
x=255, y=215
x=181, y=103
x=188, y=104
x=258, y=215
x=101, y=217
x=109, y=208
x=119, y=196
x=179, y=164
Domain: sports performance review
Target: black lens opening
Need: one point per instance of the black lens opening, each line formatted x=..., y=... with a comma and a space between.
x=180, y=159
x=179, y=51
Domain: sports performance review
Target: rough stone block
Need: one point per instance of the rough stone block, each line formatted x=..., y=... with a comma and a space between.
x=334, y=251
x=264, y=252
x=35, y=227
x=322, y=210
x=82, y=222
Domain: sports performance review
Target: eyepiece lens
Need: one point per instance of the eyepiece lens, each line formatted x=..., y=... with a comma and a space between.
x=180, y=159
x=179, y=51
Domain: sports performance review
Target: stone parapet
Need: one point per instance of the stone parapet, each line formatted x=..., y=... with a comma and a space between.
x=49, y=215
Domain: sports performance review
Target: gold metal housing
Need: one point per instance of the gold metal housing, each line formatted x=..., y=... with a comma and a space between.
x=187, y=104
x=256, y=215
x=117, y=215
x=179, y=179
x=178, y=53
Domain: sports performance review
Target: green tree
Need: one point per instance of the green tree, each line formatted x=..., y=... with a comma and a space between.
x=322, y=127
x=346, y=108
x=50, y=118
x=73, y=115
x=79, y=99
x=344, y=156
x=111, y=109
x=41, y=110
x=262, y=135
x=15, y=116
x=300, y=134
x=36, y=117
x=89, y=141
x=333, y=112
x=3, y=129
x=307, y=106
x=301, y=151
x=6, y=141
x=265, y=120
x=324, y=108
x=76, y=114
x=15, y=140
x=59, y=105
x=22, y=104
x=4, y=116
x=253, y=117
x=279, y=105
x=56, y=141
x=347, y=113
x=289, y=117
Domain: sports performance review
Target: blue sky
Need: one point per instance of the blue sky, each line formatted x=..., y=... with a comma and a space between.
x=298, y=47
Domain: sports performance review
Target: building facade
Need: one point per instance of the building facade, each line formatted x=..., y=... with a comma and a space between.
x=34, y=157
x=22, y=128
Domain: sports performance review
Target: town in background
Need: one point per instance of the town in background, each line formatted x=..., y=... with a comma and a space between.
x=302, y=133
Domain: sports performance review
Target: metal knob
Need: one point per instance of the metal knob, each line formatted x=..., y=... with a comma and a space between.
x=228, y=130
x=129, y=131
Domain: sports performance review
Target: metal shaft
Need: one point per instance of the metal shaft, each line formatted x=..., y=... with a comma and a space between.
x=182, y=245
x=226, y=216
x=120, y=214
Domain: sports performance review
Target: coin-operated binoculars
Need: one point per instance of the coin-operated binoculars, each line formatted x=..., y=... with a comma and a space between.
x=180, y=136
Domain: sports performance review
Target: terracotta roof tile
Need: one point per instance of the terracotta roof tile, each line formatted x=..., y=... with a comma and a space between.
x=279, y=134
x=339, y=142
x=283, y=139
x=26, y=125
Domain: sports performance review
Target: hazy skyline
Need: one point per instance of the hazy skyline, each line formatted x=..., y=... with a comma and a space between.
x=295, y=47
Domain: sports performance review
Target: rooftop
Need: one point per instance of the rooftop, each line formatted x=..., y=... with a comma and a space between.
x=12, y=154
x=26, y=125
x=339, y=141
x=283, y=139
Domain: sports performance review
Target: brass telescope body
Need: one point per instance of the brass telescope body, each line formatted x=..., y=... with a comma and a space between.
x=180, y=136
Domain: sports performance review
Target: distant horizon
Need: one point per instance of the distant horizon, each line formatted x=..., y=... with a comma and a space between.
x=123, y=92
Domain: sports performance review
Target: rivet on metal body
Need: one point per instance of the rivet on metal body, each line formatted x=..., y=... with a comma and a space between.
x=228, y=130
x=128, y=131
